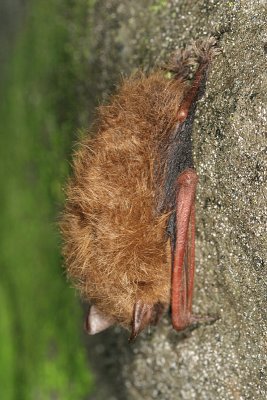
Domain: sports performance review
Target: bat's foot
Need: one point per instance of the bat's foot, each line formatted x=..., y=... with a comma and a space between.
x=199, y=52
x=204, y=49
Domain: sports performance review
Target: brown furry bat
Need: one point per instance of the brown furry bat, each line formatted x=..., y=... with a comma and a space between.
x=128, y=224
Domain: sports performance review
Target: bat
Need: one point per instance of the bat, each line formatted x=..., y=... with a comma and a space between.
x=129, y=220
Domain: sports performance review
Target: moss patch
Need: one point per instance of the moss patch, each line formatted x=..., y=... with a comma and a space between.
x=42, y=354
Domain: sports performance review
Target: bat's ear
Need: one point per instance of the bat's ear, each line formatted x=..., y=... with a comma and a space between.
x=96, y=321
x=145, y=314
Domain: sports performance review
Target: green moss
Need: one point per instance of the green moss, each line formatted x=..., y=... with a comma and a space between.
x=42, y=351
x=158, y=5
x=7, y=354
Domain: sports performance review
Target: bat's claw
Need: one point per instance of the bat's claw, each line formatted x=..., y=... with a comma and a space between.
x=193, y=321
x=197, y=320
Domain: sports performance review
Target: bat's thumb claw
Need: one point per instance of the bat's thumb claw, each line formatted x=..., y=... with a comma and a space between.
x=203, y=319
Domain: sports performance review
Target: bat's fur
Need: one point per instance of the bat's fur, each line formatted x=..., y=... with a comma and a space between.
x=116, y=246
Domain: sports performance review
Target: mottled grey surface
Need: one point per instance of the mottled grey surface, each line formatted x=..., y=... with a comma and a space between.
x=226, y=360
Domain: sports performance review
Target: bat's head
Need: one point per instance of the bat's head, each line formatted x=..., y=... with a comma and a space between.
x=96, y=321
x=144, y=314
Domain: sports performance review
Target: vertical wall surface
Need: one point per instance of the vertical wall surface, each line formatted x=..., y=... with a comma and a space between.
x=226, y=360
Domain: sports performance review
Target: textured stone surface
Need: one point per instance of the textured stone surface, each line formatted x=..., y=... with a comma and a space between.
x=226, y=360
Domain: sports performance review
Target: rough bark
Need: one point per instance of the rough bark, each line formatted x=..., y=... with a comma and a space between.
x=226, y=360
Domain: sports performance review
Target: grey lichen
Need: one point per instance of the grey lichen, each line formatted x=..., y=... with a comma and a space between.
x=226, y=360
